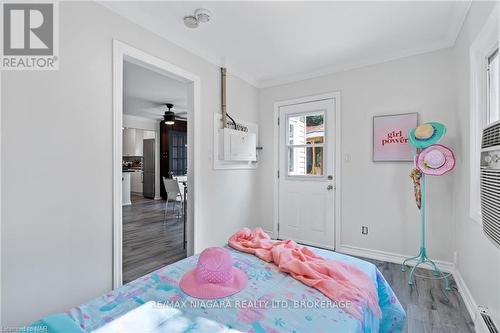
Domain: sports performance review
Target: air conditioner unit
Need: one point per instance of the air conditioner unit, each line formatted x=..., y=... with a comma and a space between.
x=490, y=182
x=484, y=322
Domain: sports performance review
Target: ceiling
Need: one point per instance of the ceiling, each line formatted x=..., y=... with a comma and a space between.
x=271, y=43
x=146, y=92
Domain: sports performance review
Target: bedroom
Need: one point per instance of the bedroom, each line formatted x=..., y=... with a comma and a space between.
x=371, y=58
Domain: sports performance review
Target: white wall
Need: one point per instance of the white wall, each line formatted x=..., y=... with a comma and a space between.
x=57, y=165
x=379, y=195
x=478, y=258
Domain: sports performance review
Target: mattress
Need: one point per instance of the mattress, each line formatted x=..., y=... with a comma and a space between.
x=272, y=302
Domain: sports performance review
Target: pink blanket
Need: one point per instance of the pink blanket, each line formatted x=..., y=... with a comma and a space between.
x=338, y=280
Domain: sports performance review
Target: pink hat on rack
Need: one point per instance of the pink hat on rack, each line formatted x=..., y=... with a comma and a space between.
x=214, y=276
x=436, y=160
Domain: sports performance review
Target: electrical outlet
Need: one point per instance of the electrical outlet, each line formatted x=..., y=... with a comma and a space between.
x=364, y=230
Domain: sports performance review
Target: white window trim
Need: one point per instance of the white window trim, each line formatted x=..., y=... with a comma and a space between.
x=486, y=42
x=306, y=145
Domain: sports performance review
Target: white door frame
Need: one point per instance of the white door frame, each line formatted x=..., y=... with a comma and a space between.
x=122, y=51
x=337, y=158
x=1, y=131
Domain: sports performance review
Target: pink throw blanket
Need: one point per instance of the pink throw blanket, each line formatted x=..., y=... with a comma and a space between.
x=337, y=280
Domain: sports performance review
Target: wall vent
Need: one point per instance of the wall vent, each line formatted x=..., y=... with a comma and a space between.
x=484, y=322
x=490, y=182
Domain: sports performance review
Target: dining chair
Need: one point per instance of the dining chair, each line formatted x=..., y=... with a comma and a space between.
x=181, y=180
x=173, y=195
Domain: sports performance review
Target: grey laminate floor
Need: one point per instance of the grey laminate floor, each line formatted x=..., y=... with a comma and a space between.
x=149, y=242
x=428, y=307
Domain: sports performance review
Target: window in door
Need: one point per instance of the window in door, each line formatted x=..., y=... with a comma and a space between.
x=306, y=139
x=493, y=112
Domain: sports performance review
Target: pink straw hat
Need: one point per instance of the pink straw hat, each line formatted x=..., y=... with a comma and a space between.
x=436, y=160
x=214, y=276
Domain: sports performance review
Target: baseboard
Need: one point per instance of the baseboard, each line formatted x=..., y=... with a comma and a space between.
x=396, y=258
x=469, y=301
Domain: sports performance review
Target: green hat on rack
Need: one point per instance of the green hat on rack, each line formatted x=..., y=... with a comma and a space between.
x=426, y=134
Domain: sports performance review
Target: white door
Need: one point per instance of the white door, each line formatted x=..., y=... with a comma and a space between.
x=306, y=169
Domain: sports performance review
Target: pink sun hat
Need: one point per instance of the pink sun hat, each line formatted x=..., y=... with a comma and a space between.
x=436, y=160
x=214, y=276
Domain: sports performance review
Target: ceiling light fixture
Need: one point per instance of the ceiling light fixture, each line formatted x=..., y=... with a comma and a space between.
x=201, y=15
x=169, y=116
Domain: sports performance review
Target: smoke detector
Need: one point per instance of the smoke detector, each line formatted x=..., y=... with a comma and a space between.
x=203, y=15
x=200, y=15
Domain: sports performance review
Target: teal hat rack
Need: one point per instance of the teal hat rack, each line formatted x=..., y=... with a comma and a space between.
x=422, y=258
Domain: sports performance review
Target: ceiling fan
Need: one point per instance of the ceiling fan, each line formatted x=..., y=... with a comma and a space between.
x=170, y=115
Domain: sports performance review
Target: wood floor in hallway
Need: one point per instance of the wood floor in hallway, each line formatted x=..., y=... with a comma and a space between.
x=149, y=241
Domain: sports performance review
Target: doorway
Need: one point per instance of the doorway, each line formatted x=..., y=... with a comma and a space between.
x=307, y=191
x=124, y=55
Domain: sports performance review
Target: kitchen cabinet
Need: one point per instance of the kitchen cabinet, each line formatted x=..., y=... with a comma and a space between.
x=132, y=141
x=149, y=135
x=126, y=189
x=139, y=136
x=136, y=182
x=128, y=142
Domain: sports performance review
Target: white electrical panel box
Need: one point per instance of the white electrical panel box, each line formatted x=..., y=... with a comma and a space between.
x=235, y=149
x=237, y=145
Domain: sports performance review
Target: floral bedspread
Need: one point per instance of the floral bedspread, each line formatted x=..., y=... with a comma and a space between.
x=272, y=302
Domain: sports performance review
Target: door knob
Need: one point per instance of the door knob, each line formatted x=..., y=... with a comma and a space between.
x=329, y=187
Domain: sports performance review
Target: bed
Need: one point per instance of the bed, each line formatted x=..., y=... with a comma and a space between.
x=272, y=302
